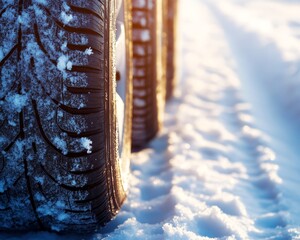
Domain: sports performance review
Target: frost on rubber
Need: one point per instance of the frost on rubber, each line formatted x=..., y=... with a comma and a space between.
x=58, y=150
x=148, y=79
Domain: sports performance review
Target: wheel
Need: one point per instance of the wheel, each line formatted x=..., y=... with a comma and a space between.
x=61, y=167
x=149, y=83
x=171, y=30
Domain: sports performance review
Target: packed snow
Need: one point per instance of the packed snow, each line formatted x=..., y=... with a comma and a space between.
x=225, y=166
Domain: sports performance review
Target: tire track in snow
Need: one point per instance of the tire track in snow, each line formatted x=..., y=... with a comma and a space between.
x=271, y=216
x=268, y=71
x=260, y=193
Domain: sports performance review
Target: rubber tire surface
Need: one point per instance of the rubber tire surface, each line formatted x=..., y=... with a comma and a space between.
x=58, y=145
x=148, y=66
x=172, y=26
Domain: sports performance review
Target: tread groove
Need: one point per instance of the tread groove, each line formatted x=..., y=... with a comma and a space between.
x=71, y=188
x=85, y=11
x=3, y=11
x=9, y=54
x=79, y=135
x=77, y=90
x=27, y=177
x=81, y=48
x=39, y=42
x=69, y=154
x=71, y=29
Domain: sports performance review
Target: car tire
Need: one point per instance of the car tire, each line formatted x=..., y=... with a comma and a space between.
x=171, y=30
x=59, y=159
x=149, y=83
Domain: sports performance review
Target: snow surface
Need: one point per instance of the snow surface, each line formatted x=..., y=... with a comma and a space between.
x=225, y=165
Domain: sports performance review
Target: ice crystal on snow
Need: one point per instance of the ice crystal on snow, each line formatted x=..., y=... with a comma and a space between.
x=88, y=51
x=64, y=46
x=87, y=144
x=63, y=63
x=61, y=144
x=66, y=18
x=24, y=19
x=16, y=102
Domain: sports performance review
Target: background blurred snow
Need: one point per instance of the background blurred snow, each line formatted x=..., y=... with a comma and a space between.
x=226, y=164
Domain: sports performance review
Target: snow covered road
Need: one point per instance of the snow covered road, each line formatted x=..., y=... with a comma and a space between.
x=225, y=165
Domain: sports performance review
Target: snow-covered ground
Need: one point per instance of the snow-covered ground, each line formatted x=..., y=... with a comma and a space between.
x=226, y=164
